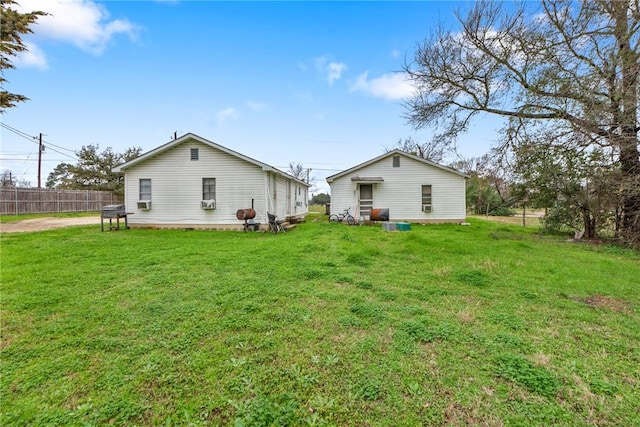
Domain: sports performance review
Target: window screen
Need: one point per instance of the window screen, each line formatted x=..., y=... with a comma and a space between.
x=426, y=198
x=145, y=189
x=208, y=188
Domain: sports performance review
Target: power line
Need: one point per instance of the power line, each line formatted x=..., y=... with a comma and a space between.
x=26, y=170
x=34, y=139
x=64, y=154
x=57, y=146
x=19, y=132
x=26, y=159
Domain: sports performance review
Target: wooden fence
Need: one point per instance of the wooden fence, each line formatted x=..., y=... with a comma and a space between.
x=14, y=201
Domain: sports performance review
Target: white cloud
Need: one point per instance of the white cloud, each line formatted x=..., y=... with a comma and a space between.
x=395, y=53
x=392, y=86
x=257, y=106
x=332, y=70
x=33, y=57
x=226, y=114
x=82, y=23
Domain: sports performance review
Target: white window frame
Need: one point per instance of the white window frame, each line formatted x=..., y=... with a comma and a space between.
x=146, y=195
x=427, y=198
x=207, y=193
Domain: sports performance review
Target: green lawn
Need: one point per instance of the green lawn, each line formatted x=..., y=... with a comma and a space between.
x=484, y=324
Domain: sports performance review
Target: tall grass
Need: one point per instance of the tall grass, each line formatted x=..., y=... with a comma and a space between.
x=325, y=325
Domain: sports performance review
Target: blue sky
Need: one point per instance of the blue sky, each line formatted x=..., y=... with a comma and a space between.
x=315, y=83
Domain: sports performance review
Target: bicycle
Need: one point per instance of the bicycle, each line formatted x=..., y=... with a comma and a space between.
x=345, y=216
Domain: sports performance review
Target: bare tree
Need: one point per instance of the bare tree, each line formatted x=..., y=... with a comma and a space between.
x=299, y=171
x=8, y=179
x=430, y=150
x=573, y=64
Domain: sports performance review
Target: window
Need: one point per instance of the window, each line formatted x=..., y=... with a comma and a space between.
x=396, y=161
x=208, y=188
x=195, y=155
x=426, y=198
x=145, y=189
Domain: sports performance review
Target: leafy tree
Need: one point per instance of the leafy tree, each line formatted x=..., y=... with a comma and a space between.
x=93, y=171
x=483, y=199
x=488, y=187
x=576, y=187
x=573, y=64
x=321, y=199
x=13, y=25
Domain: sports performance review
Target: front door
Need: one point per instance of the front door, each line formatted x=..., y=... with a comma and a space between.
x=366, y=199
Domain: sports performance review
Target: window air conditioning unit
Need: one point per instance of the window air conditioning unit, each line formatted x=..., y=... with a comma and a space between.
x=208, y=204
x=144, y=205
x=426, y=208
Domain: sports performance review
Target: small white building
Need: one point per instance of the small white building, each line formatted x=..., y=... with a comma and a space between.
x=411, y=188
x=191, y=182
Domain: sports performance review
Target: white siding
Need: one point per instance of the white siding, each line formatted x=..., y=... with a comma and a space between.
x=401, y=191
x=176, y=187
x=281, y=197
x=299, y=199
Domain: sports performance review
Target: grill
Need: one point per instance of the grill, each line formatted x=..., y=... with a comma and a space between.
x=113, y=212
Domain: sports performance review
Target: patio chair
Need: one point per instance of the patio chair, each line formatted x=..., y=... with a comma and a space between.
x=275, y=225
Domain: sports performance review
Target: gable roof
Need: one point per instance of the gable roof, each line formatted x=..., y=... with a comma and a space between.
x=393, y=153
x=193, y=137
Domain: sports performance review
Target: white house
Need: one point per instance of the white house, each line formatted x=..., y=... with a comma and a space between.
x=411, y=188
x=195, y=183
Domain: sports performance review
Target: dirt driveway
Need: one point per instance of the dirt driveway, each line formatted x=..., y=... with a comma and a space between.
x=40, y=224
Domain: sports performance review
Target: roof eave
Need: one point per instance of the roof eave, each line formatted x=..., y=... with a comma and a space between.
x=331, y=178
x=183, y=138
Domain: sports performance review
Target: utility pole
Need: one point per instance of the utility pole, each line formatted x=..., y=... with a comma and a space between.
x=308, y=171
x=40, y=150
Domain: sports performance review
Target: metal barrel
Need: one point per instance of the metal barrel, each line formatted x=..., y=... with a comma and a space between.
x=381, y=214
x=243, y=214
